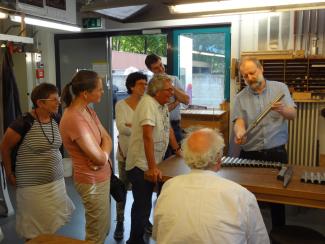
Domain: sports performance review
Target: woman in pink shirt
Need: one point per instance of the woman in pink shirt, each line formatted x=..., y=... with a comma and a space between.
x=89, y=146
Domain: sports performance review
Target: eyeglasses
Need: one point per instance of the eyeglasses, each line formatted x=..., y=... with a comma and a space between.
x=170, y=90
x=56, y=99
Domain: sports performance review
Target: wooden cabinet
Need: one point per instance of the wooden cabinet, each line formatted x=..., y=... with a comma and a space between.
x=207, y=118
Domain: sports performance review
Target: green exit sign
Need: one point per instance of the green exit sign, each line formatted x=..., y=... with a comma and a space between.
x=92, y=23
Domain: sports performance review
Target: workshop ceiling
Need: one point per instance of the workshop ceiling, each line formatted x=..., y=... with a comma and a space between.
x=128, y=11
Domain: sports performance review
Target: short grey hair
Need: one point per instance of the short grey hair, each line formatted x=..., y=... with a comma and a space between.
x=157, y=83
x=207, y=158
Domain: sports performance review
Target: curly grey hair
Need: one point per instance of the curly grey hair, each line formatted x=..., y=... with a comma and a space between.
x=157, y=83
x=209, y=156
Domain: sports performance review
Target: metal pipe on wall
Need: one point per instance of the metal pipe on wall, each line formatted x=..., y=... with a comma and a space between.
x=314, y=38
x=295, y=29
x=302, y=29
x=307, y=47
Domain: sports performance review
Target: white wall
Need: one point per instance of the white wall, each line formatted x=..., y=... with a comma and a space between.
x=44, y=41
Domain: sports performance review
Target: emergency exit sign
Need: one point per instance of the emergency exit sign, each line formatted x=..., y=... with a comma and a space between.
x=92, y=23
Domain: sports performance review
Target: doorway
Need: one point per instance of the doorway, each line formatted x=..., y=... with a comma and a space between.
x=128, y=53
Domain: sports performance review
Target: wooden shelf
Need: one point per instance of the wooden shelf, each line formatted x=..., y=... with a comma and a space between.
x=300, y=74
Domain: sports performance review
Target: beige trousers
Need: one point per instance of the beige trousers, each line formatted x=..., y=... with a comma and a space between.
x=96, y=201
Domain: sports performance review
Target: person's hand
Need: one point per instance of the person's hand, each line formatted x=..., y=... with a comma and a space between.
x=240, y=137
x=154, y=174
x=93, y=166
x=179, y=152
x=278, y=107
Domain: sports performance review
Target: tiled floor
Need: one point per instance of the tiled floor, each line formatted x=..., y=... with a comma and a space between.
x=314, y=218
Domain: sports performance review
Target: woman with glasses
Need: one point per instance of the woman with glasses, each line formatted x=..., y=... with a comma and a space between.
x=43, y=205
x=89, y=146
x=136, y=84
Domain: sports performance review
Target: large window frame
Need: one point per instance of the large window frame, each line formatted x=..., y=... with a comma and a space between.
x=175, y=33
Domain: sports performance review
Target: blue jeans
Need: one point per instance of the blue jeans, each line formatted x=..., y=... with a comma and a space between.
x=142, y=194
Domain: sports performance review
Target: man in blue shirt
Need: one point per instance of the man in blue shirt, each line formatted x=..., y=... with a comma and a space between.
x=267, y=140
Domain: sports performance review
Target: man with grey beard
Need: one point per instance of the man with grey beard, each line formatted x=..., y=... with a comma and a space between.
x=266, y=142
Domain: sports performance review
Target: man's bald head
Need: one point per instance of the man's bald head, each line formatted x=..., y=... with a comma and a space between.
x=203, y=148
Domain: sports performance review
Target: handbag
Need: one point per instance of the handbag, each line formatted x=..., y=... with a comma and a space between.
x=118, y=191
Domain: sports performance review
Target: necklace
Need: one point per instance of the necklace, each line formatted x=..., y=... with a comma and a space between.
x=40, y=123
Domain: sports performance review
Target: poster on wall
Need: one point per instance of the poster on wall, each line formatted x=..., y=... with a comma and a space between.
x=60, y=4
x=37, y=3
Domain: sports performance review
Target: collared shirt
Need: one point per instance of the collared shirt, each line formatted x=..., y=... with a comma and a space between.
x=201, y=207
x=272, y=131
x=148, y=112
x=175, y=114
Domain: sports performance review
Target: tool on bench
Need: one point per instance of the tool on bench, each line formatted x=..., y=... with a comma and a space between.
x=285, y=174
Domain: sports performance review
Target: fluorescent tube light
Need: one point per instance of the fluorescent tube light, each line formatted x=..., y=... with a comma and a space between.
x=240, y=5
x=45, y=23
x=21, y=39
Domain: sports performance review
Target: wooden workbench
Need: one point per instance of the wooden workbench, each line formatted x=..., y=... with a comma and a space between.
x=262, y=182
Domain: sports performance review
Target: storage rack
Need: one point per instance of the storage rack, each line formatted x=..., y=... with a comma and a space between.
x=300, y=74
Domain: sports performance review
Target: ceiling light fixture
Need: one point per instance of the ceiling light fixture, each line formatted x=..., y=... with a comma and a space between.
x=45, y=23
x=121, y=13
x=236, y=6
x=3, y=15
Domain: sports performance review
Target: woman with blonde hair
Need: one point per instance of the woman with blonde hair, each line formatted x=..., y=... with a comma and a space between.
x=89, y=146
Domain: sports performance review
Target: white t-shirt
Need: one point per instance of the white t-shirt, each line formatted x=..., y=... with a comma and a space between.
x=148, y=112
x=124, y=115
x=201, y=207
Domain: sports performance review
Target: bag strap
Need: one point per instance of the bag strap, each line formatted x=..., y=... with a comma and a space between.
x=56, y=117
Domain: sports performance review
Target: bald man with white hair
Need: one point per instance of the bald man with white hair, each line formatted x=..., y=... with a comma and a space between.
x=202, y=207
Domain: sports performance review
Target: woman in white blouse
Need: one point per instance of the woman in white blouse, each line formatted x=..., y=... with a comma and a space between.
x=136, y=84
